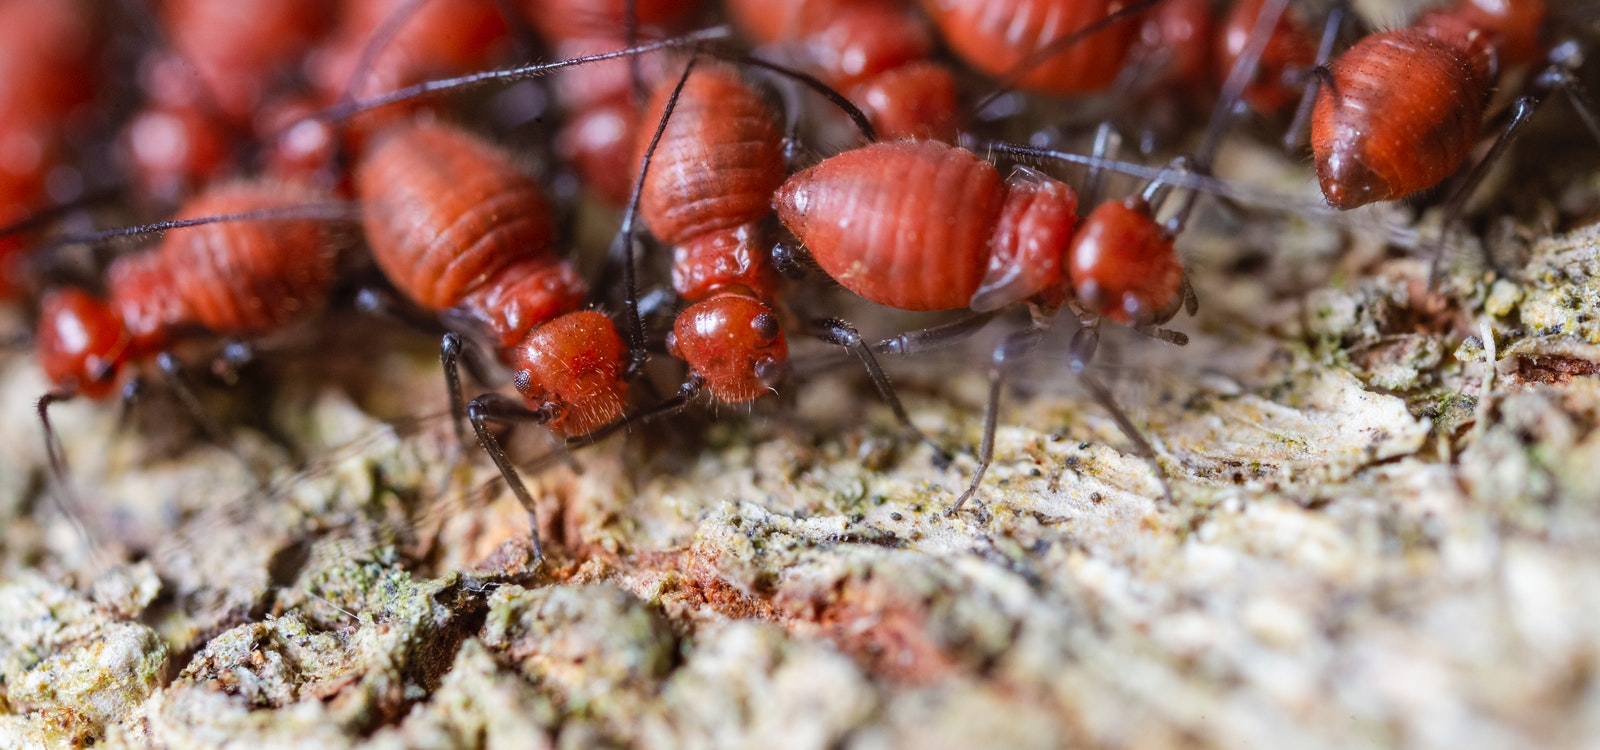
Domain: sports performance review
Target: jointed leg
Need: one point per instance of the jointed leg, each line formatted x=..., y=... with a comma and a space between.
x=840, y=333
x=1010, y=349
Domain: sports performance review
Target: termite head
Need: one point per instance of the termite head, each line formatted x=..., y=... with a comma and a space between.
x=81, y=342
x=571, y=370
x=734, y=343
x=1123, y=266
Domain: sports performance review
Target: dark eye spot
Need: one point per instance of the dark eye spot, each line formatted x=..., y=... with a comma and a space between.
x=768, y=371
x=765, y=325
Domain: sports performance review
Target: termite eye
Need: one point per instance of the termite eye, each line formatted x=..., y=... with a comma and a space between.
x=768, y=371
x=765, y=325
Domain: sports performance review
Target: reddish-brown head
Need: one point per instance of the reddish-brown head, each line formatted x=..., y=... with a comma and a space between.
x=1123, y=266
x=734, y=343
x=81, y=343
x=573, y=367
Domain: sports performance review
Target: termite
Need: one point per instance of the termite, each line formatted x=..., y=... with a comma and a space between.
x=1401, y=110
x=242, y=259
x=878, y=53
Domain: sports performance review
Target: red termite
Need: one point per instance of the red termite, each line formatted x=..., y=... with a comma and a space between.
x=382, y=45
x=459, y=229
x=1400, y=111
x=48, y=57
x=222, y=63
x=600, y=100
x=708, y=174
x=876, y=52
x=1003, y=37
x=919, y=225
x=708, y=190
x=240, y=278
x=1289, y=49
x=215, y=274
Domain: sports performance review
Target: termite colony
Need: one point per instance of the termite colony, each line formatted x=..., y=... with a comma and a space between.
x=912, y=154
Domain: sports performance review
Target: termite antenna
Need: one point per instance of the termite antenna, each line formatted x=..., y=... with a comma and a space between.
x=857, y=117
x=65, y=496
x=333, y=211
x=346, y=110
x=328, y=211
x=638, y=352
x=1240, y=192
x=1008, y=82
x=1521, y=111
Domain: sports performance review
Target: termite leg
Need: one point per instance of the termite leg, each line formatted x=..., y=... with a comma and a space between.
x=1521, y=111
x=493, y=406
x=681, y=400
x=1107, y=142
x=1244, y=68
x=450, y=353
x=1079, y=354
x=1013, y=347
x=172, y=372
x=66, y=498
x=839, y=333
x=1294, y=137
x=937, y=337
x=1564, y=59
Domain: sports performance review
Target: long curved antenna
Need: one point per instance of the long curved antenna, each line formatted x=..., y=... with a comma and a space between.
x=346, y=110
x=1192, y=181
x=332, y=211
x=839, y=100
x=638, y=352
